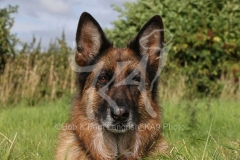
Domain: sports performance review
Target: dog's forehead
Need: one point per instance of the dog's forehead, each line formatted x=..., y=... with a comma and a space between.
x=118, y=60
x=120, y=55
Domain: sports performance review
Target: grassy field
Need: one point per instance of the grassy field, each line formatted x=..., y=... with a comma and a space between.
x=198, y=129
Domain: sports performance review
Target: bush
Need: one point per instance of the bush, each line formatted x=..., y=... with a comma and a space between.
x=7, y=40
x=206, y=44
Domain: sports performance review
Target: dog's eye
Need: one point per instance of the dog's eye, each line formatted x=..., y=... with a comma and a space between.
x=102, y=79
x=136, y=79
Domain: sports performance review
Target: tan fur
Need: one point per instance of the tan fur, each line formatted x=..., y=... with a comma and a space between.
x=86, y=136
x=90, y=141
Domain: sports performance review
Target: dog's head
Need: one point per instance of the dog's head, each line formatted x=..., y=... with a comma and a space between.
x=118, y=86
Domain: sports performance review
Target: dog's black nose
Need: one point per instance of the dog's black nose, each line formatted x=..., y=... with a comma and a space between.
x=120, y=113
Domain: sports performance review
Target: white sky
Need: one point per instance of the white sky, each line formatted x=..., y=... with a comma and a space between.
x=46, y=19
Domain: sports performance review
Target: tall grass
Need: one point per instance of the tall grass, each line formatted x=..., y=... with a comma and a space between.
x=37, y=77
x=231, y=87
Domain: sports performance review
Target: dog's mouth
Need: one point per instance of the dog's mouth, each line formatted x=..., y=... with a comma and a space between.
x=119, y=127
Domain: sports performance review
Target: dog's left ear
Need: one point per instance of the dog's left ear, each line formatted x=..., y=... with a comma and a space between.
x=149, y=41
x=91, y=40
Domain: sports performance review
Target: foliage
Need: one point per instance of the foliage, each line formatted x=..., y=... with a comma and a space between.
x=32, y=74
x=35, y=75
x=7, y=40
x=206, y=40
x=204, y=57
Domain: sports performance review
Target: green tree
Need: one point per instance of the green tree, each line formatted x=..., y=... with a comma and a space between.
x=7, y=40
x=206, y=36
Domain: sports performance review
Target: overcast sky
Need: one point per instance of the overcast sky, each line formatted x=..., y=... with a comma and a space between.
x=46, y=19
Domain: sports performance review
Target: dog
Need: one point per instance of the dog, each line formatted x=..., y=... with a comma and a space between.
x=115, y=114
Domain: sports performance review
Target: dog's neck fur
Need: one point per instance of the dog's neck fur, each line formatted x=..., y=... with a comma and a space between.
x=116, y=144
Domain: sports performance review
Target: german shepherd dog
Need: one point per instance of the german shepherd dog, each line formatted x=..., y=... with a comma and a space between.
x=115, y=114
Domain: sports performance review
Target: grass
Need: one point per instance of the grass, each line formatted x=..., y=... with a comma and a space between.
x=203, y=129
x=198, y=129
x=34, y=128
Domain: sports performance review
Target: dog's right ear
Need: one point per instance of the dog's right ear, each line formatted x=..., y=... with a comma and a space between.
x=91, y=40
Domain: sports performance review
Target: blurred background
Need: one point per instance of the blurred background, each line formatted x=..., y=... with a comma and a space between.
x=37, y=37
x=200, y=80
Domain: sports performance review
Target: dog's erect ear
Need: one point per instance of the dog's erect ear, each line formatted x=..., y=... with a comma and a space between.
x=90, y=40
x=149, y=41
